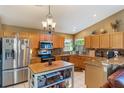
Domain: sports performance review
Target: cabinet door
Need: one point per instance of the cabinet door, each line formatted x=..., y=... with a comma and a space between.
x=1, y=33
x=61, y=42
x=9, y=34
x=87, y=42
x=24, y=35
x=104, y=41
x=117, y=40
x=55, y=41
x=34, y=40
x=45, y=37
x=95, y=41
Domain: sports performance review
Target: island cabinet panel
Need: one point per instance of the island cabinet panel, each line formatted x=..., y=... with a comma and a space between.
x=117, y=40
x=34, y=40
x=104, y=41
x=87, y=42
x=95, y=41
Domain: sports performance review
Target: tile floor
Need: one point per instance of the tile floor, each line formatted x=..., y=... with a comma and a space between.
x=79, y=79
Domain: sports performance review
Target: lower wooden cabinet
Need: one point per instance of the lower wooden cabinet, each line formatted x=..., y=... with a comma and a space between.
x=78, y=61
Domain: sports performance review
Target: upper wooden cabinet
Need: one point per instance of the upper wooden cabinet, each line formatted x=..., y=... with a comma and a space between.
x=114, y=40
x=61, y=44
x=9, y=34
x=34, y=40
x=104, y=41
x=95, y=41
x=24, y=35
x=58, y=41
x=55, y=41
x=1, y=33
x=87, y=42
x=117, y=40
x=45, y=37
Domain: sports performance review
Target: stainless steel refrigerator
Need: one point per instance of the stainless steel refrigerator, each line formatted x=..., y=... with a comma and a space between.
x=15, y=59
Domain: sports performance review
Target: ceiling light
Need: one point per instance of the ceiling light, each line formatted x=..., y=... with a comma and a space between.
x=94, y=15
x=49, y=25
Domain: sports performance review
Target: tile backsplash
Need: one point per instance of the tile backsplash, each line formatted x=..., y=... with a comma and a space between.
x=103, y=52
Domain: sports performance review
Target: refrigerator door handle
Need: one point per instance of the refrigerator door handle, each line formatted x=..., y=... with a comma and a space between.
x=18, y=53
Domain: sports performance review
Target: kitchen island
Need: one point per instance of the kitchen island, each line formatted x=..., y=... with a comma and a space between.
x=100, y=69
x=58, y=75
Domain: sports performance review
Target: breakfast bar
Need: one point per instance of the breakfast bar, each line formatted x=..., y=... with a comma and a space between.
x=58, y=75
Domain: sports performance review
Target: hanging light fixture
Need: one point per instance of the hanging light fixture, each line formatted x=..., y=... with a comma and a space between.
x=49, y=25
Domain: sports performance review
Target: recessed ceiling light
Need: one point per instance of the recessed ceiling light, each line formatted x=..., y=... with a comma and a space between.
x=74, y=28
x=94, y=15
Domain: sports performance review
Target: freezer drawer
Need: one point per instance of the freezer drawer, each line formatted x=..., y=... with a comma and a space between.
x=8, y=77
x=21, y=75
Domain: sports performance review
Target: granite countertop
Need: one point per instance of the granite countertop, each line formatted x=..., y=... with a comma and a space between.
x=73, y=55
x=44, y=67
x=104, y=61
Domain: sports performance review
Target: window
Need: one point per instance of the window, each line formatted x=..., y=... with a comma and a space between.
x=68, y=45
x=79, y=42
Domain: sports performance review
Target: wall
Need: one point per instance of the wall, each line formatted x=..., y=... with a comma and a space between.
x=104, y=24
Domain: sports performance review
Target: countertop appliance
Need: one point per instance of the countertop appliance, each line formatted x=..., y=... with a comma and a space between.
x=110, y=54
x=15, y=59
x=45, y=51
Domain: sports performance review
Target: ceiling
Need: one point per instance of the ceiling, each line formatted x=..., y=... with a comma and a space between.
x=69, y=18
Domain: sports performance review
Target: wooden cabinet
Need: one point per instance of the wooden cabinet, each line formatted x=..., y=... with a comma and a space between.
x=117, y=40
x=58, y=41
x=45, y=37
x=9, y=34
x=78, y=61
x=114, y=40
x=24, y=35
x=55, y=41
x=95, y=41
x=104, y=41
x=87, y=41
x=34, y=40
x=1, y=33
x=61, y=43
